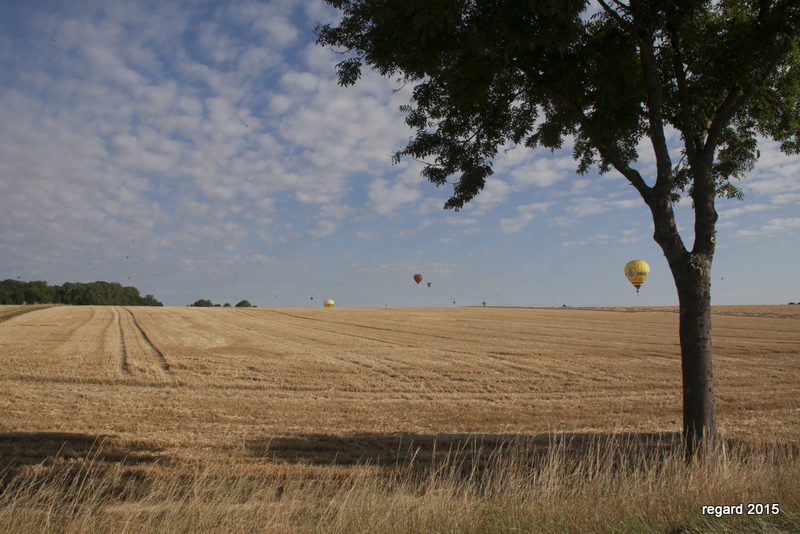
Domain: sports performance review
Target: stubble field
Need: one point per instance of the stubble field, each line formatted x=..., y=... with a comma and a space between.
x=331, y=394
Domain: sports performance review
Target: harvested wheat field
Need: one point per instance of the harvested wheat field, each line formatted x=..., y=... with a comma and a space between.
x=310, y=395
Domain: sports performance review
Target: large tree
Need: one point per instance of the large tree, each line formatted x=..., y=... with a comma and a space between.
x=493, y=73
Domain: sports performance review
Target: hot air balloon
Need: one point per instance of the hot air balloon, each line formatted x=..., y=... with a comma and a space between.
x=328, y=303
x=636, y=273
x=429, y=284
x=418, y=278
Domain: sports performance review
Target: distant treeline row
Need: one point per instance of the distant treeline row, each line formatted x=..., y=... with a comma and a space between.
x=78, y=294
x=204, y=303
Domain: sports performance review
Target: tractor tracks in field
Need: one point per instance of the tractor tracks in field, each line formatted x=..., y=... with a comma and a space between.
x=139, y=357
x=123, y=351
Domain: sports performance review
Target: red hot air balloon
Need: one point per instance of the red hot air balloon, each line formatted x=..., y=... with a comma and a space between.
x=418, y=278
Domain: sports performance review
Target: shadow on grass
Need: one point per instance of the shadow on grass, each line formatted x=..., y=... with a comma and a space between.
x=470, y=450
x=22, y=450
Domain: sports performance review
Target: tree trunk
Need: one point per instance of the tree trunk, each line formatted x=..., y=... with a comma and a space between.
x=692, y=274
x=693, y=282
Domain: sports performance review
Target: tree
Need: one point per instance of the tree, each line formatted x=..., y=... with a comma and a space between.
x=202, y=303
x=494, y=73
x=150, y=300
x=244, y=304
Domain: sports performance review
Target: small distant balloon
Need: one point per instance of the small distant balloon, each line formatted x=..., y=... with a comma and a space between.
x=429, y=284
x=484, y=303
x=328, y=303
x=54, y=39
x=454, y=302
x=418, y=278
x=312, y=298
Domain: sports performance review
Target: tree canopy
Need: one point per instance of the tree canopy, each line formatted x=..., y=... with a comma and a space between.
x=89, y=294
x=497, y=72
x=202, y=303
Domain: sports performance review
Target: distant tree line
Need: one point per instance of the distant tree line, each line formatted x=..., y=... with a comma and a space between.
x=76, y=294
x=203, y=303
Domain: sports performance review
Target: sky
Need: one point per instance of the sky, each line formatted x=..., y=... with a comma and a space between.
x=204, y=150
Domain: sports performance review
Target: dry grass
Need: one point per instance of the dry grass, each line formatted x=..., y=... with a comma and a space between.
x=388, y=420
x=611, y=483
x=9, y=312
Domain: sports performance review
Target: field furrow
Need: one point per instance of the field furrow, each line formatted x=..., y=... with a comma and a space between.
x=142, y=361
x=62, y=344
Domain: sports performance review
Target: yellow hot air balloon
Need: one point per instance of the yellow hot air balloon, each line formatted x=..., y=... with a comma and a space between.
x=328, y=303
x=636, y=273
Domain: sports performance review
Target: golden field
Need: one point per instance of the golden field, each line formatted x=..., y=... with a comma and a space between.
x=299, y=397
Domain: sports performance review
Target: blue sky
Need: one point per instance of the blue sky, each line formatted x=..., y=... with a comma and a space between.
x=204, y=150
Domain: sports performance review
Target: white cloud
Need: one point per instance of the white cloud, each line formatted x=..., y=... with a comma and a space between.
x=557, y=222
x=429, y=205
x=330, y=219
x=625, y=237
x=366, y=237
x=385, y=197
x=454, y=220
x=725, y=214
x=774, y=228
x=413, y=232
x=494, y=193
x=543, y=172
x=586, y=206
x=526, y=215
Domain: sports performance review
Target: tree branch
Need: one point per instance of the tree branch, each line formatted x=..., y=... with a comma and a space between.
x=691, y=141
x=737, y=98
x=614, y=15
x=654, y=90
x=606, y=149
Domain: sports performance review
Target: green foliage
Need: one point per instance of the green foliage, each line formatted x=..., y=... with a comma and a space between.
x=496, y=73
x=90, y=294
x=244, y=304
x=202, y=303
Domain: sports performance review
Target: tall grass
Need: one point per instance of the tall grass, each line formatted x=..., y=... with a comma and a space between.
x=610, y=483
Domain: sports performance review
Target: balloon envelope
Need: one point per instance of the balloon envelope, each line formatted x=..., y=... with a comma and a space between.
x=636, y=272
x=418, y=278
x=429, y=284
x=328, y=303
